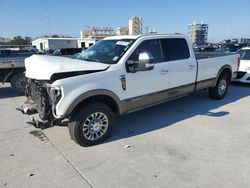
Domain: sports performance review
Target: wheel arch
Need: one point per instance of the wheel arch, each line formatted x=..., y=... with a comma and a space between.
x=100, y=95
x=226, y=69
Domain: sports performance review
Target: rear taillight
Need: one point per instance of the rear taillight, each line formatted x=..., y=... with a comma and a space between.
x=238, y=63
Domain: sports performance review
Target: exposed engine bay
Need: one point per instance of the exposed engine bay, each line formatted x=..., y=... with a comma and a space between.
x=42, y=97
x=37, y=93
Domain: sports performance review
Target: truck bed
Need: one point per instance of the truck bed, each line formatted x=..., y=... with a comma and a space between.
x=203, y=55
x=210, y=64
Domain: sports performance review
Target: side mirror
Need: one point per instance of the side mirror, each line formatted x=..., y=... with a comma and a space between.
x=146, y=62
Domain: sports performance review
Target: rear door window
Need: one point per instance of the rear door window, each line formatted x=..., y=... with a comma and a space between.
x=174, y=49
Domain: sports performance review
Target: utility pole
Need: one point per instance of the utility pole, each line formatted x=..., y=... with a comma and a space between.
x=48, y=20
x=227, y=32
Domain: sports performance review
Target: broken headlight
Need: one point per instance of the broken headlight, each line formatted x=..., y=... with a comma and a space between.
x=55, y=95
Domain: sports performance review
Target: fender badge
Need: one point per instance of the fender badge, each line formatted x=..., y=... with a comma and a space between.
x=123, y=82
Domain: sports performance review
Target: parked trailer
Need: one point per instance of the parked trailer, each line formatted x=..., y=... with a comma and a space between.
x=12, y=69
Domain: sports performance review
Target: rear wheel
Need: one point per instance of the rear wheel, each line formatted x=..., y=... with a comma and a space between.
x=220, y=90
x=18, y=83
x=91, y=124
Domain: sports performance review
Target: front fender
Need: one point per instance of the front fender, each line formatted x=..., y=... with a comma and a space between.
x=92, y=93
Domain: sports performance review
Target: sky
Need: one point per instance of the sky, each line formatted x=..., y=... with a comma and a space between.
x=226, y=18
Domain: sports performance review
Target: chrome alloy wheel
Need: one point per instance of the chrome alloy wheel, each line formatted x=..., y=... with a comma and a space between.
x=95, y=126
x=222, y=87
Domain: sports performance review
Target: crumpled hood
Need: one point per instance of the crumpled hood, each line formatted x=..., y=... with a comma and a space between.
x=42, y=67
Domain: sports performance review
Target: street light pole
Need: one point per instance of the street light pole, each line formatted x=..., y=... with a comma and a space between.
x=48, y=17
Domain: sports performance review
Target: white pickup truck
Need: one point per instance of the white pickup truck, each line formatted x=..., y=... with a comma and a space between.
x=119, y=75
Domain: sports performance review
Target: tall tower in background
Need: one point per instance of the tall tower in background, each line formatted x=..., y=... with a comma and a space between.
x=198, y=33
x=135, y=25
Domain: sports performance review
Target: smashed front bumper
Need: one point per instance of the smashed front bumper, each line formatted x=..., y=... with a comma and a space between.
x=37, y=92
x=41, y=99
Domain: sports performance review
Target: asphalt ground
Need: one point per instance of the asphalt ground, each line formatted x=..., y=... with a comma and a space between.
x=193, y=141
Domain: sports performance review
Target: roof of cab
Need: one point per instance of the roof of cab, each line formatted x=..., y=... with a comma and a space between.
x=120, y=37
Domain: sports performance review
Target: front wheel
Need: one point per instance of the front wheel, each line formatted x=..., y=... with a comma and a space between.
x=220, y=90
x=91, y=124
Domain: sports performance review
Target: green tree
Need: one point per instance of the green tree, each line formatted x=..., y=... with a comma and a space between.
x=55, y=36
x=18, y=40
x=28, y=39
x=66, y=36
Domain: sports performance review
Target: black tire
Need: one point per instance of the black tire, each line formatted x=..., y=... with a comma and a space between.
x=84, y=115
x=220, y=90
x=18, y=83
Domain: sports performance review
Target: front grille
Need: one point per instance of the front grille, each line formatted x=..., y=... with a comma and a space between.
x=38, y=93
x=240, y=74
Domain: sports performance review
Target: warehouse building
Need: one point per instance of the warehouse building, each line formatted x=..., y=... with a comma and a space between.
x=42, y=44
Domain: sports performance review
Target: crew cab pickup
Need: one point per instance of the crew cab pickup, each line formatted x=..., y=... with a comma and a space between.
x=119, y=75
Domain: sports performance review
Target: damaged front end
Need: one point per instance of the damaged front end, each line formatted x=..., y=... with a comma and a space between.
x=42, y=99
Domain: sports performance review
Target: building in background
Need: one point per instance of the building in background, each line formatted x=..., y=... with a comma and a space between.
x=198, y=33
x=42, y=44
x=97, y=32
x=122, y=31
x=4, y=40
x=244, y=41
x=135, y=25
x=151, y=31
x=135, y=28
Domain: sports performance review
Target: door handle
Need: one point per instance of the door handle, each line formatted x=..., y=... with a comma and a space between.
x=191, y=66
x=164, y=71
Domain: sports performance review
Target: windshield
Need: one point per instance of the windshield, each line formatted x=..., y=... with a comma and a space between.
x=106, y=51
x=244, y=54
